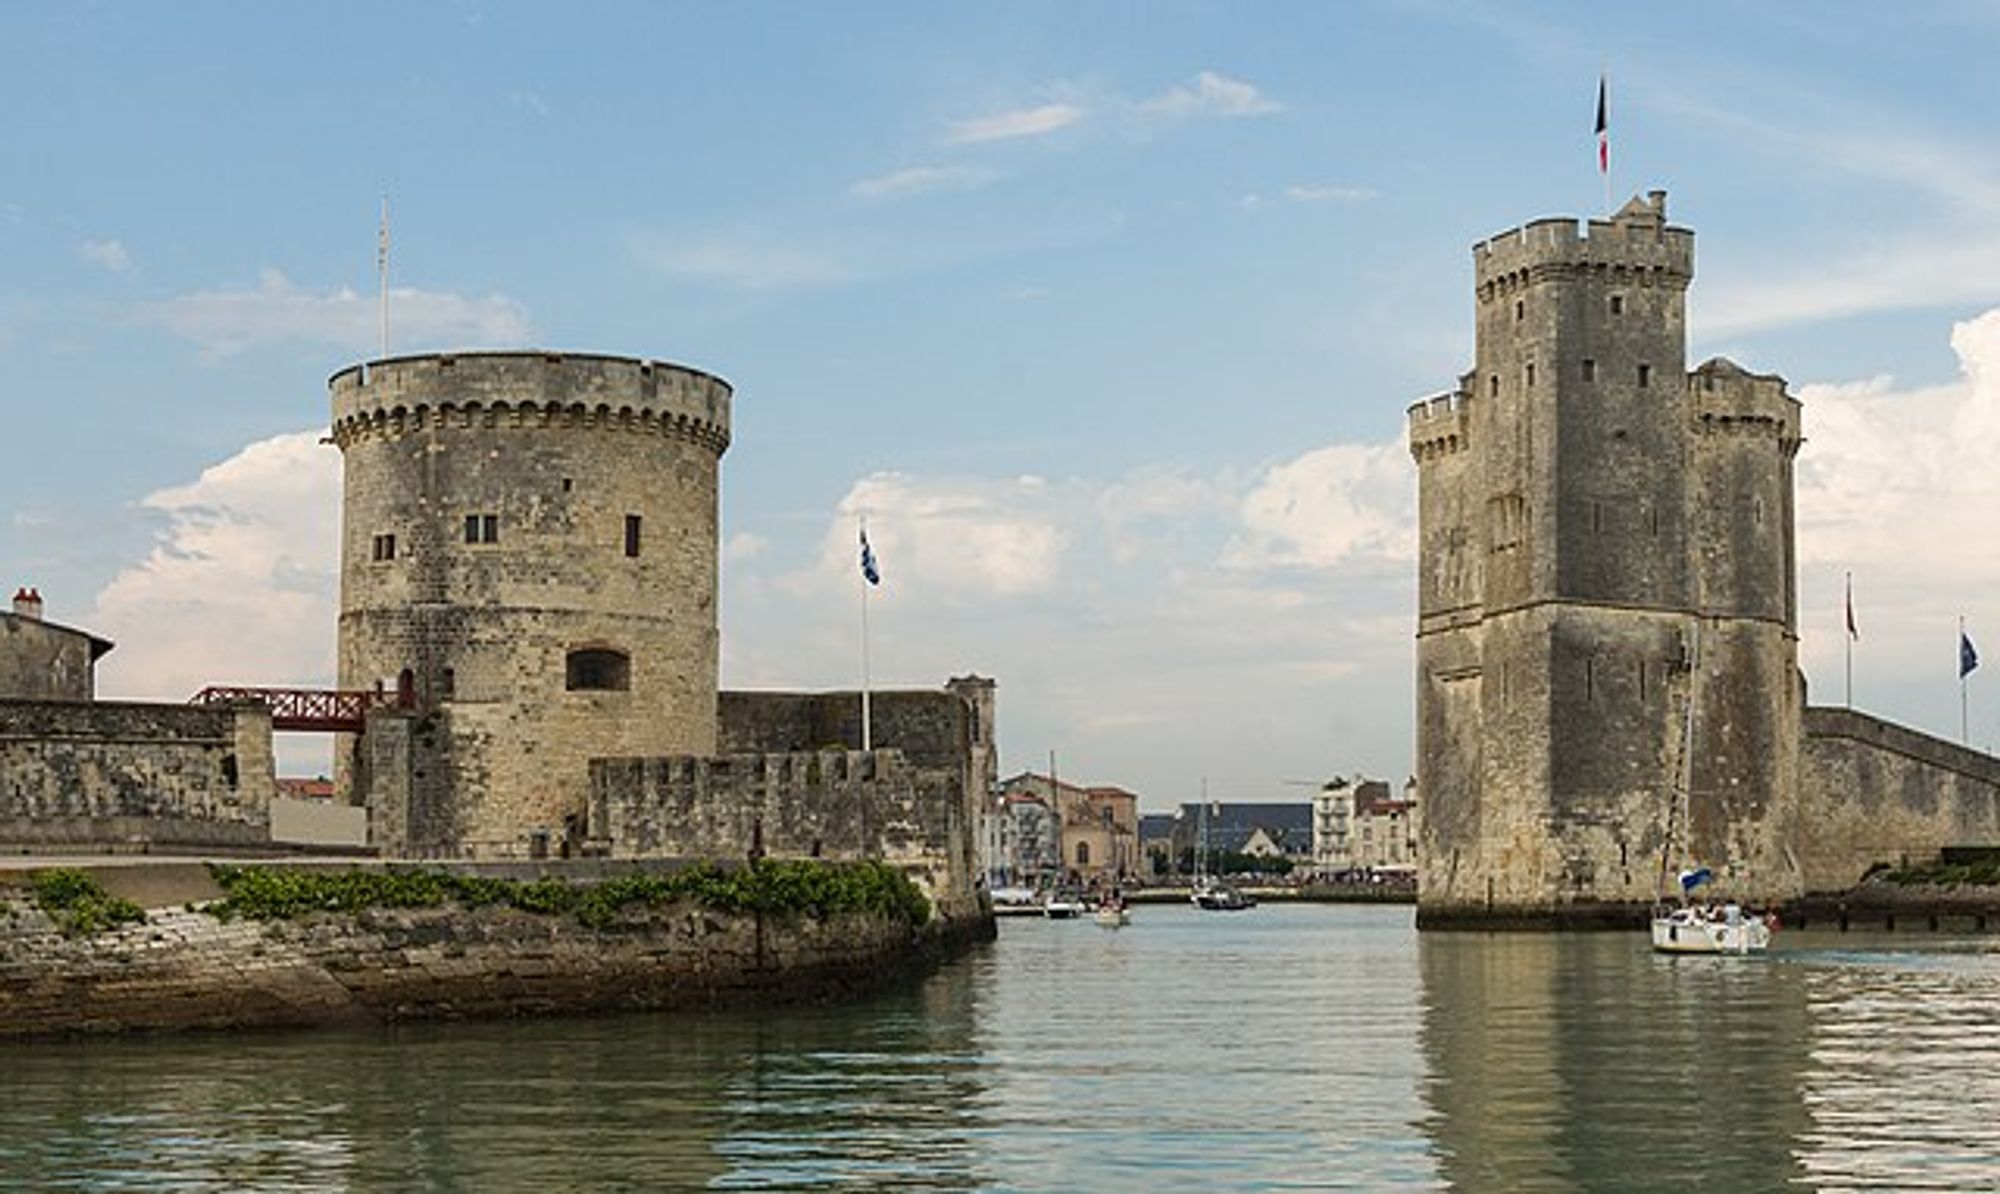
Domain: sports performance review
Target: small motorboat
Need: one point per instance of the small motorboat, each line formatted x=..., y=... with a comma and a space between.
x=1062, y=906
x=1220, y=897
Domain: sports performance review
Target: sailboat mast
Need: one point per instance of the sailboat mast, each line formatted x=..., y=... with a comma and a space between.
x=1677, y=825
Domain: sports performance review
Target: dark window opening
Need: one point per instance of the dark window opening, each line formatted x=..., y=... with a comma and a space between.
x=598, y=669
x=229, y=770
x=406, y=688
x=1589, y=370
x=1083, y=854
x=632, y=535
x=1597, y=517
x=1618, y=304
x=384, y=547
x=567, y=482
x=482, y=528
x=1645, y=376
x=448, y=682
x=1520, y=309
x=1531, y=373
x=1494, y=387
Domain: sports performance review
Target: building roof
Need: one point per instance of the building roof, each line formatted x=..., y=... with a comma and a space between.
x=1229, y=825
x=98, y=646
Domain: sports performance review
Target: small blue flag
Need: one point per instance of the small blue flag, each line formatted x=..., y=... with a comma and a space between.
x=868, y=568
x=1967, y=657
x=1695, y=878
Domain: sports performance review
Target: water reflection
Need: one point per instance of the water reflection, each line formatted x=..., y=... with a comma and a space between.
x=1585, y=1062
x=1293, y=1047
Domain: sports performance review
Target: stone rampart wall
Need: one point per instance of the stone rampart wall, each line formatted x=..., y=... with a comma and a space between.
x=125, y=775
x=1875, y=792
x=837, y=805
x=184, y=969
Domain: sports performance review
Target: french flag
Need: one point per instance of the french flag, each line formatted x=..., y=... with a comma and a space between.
x=1603, y=132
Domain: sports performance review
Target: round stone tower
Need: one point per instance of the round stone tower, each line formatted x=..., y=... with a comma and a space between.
x=528, y=561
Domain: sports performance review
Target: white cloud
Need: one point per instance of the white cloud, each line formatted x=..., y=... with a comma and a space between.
x=1305, y=194
x=965, y=535
x=240, y=585
x=1920, y=271
x=1338, y=506
x=108, y=253
x=740, y=262
x=919, y=180
x=223, y=322
x=1024, y=122
x=745, y=546
x=1211, y=94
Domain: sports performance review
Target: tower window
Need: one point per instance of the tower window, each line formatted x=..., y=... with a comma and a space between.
x=384, y=548
x=1589, y=369
x=597, y=669
x=482, y=528
x=1596, y=517
x=1493, y=385
x=1083, y=854
x=1531, y=373
x=632, y=535
x=1520, y=310
x=448, y=682
x=1645, y=376
x=1618, y=304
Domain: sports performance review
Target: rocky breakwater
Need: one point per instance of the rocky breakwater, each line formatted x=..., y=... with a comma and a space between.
x=281, y=946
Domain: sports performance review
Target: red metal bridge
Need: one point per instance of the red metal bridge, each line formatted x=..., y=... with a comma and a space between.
x=313, y=709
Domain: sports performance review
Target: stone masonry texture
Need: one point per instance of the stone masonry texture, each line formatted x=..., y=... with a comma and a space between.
x=528, y=555
x=1607, y=669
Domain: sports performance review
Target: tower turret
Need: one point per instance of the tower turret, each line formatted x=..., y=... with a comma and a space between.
x=528, y=560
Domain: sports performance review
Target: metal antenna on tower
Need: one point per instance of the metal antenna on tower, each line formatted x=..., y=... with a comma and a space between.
x=382, y=271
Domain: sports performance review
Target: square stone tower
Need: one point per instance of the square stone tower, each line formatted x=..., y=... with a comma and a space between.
x=1606, y=648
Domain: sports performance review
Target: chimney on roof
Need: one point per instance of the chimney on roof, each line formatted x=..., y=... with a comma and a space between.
x=28, y=604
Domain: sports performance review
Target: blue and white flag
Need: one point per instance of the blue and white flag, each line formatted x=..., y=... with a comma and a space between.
x=1967, y=657
x=1695, y=878
x=868, y=568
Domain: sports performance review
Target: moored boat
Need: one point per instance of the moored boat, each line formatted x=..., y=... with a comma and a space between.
x=1706, y=929
x=1220, y=897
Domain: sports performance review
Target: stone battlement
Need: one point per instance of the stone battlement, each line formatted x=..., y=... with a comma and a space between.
x=1725, y=397
x=1637, y=241
x=1438, y=425
x=401, y=395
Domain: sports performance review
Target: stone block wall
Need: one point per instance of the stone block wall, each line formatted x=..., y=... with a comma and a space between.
x=833, y=804
x=1874, y=792
x=117, y=775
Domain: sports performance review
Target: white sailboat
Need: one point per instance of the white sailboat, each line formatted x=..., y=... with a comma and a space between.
x=1692, y=927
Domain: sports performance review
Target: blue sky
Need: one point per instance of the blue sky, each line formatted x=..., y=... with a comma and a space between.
x=1106, y=314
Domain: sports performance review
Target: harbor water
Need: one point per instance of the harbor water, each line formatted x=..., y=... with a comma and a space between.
x=1290, y=1047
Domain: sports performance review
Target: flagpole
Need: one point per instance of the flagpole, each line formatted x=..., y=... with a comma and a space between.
x=867, y=735
x=1848, y=638
x=382, y=271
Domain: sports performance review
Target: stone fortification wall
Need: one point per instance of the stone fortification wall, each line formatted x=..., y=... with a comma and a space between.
x=40, y=661
x=129, y=776
x=1592, y=519
x=1874, y=792
x=834, y=804
x=183, y=969
x=528, y=549
x=945, y=737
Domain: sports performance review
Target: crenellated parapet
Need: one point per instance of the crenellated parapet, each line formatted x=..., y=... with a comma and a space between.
x=440, y=391
x=1636, y=247
x=1727, y=399
x=1439, y=426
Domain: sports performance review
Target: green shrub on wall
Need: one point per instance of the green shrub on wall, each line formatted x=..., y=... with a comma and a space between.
x=79, y=904
x=774, y=888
